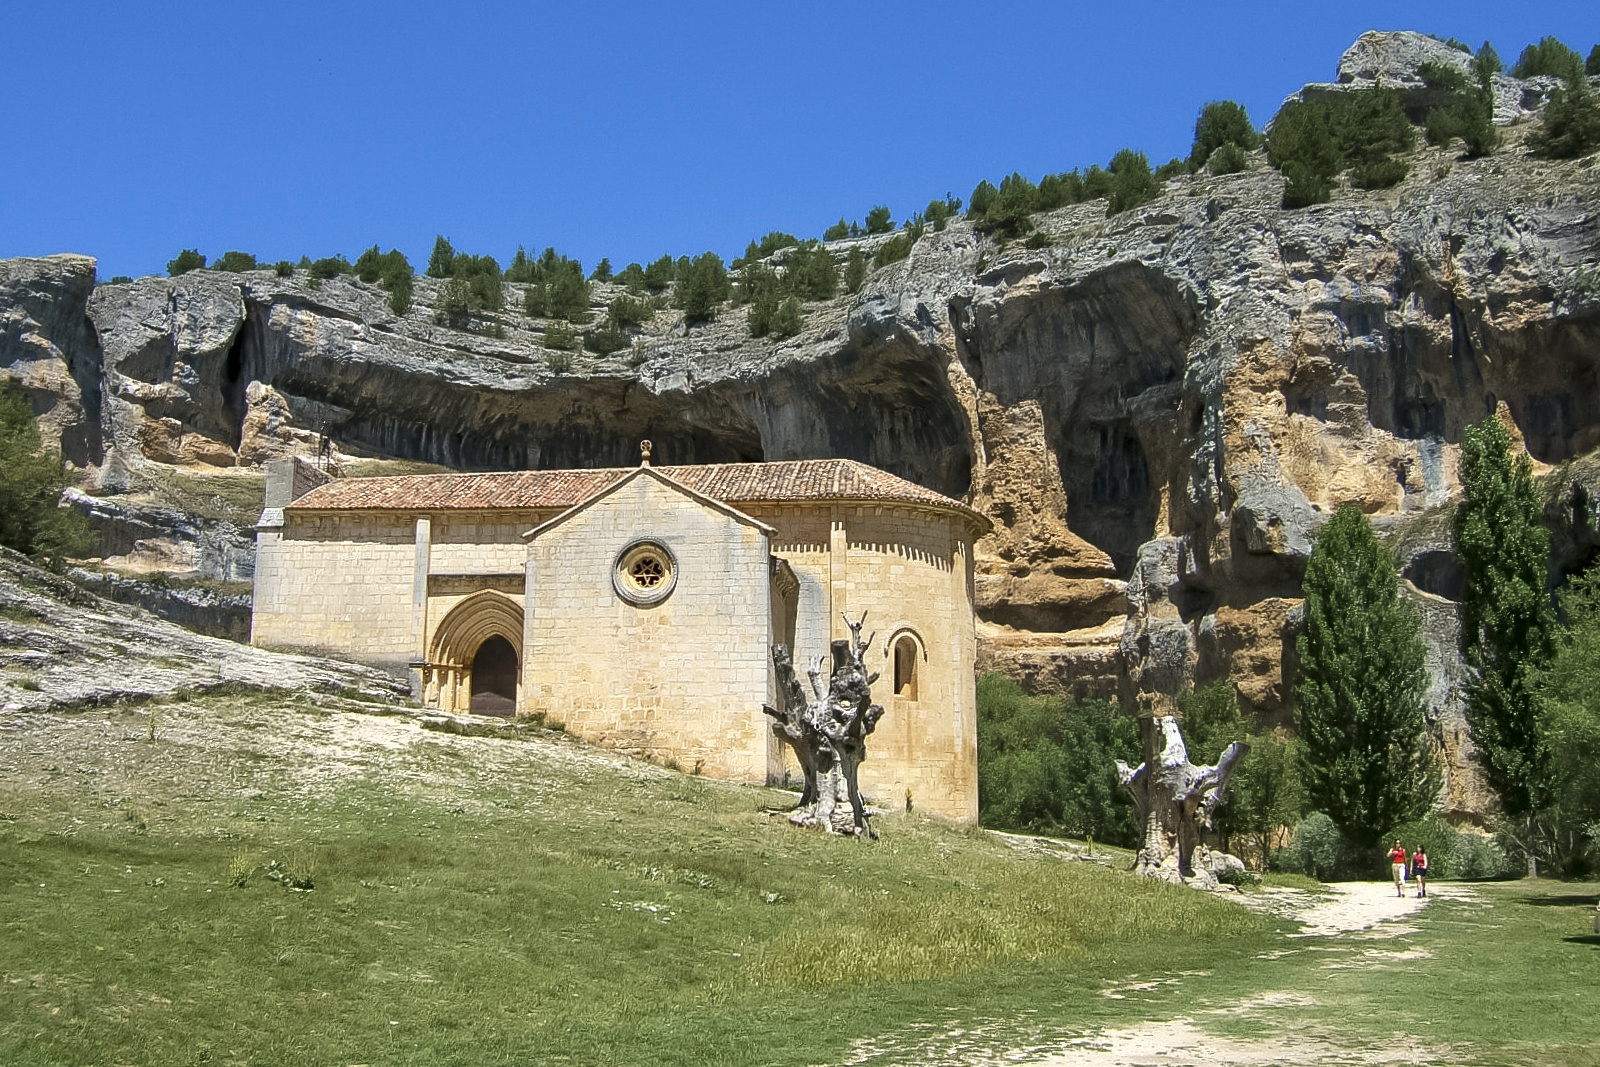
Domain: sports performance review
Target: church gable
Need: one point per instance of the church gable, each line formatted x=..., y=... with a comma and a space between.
x=648, y=624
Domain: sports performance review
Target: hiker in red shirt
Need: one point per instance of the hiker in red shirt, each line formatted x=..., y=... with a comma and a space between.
x=1397, y=860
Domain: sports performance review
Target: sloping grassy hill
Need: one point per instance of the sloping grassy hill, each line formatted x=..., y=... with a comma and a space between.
x=198, y=869
x=479, y=900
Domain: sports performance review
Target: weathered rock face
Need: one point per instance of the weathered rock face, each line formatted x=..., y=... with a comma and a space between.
x=1157, y=409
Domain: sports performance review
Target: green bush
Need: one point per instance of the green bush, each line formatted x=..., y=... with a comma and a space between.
x=702, y=285
x=235, y=262
x=607, y=339
x=1443, y=76
x=31, y=518
x=399, y=286
x=1049, y=765
x=1550, y=58
x=1570, y=125
x=633, y=277
x=763, y=249
x=896, y=248
x=856, y=269
x=373, y=265
x=940, y=212
x=1479, y=858
x=283, y=268
x=119, y=279
x=441, y=262
x=1221, y=122
x=630, y=311
x=187, y=260
x=660, y=274
x=1379, y=173
x=1321, y=851
x=1059, y=190
x=1173, y=168
x=811, y=273
x=879, y=221
x=602, y=271
x=1591, y=66
x=1313, y=140
x=840, y=230
x=454, y=305
x=1132, y=183
x=560, y=336
x=1228, y=159
x=556, y=287
x=328, y=267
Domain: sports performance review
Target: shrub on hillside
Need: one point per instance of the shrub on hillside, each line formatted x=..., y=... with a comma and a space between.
x=283, y=268
x=454, y=305
x=660, y=274
x=1551, y=58
x=1436, y=75
x=702, y=285
x=235, y=262
x=940, y=212
x=856, y=268
x=602, y=271
x=1228, y=159
x=556, y=288
x=442, y=260
x=841, y=230
x=609, y=338
x=1132, y=183
x=328, y=267
x=1591, y=66
x=32, y=520
x=630, y=311
x=1221, y=122
x=879, y=221
x=811, y=273
x=764, y=248
x=1570, y=125
x=896, y=248
x=1313, y=140
x=187, y=260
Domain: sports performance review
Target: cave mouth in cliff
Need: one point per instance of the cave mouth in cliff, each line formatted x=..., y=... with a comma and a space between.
x=234, y=382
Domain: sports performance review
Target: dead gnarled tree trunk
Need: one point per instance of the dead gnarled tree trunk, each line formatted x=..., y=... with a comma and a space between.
x=1175, y=801
x=829, y=734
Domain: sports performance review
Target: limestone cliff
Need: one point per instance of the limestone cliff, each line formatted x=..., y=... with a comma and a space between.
x=1156, y=408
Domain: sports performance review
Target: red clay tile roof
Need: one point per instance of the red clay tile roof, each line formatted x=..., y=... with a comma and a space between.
x=732, y=483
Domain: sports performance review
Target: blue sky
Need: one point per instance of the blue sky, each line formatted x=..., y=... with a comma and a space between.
x=622, y=130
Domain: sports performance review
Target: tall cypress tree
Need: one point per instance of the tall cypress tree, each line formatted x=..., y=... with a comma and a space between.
x=1367, y=761
x=1506, y=619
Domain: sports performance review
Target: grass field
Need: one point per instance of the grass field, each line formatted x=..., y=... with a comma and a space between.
x=483, y=901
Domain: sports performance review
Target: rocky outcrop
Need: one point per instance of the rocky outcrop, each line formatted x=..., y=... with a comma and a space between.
x=1157, y=408
x=61, y=646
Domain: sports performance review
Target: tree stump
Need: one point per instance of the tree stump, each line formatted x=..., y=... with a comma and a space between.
x=1175, y=801
x=829, y=734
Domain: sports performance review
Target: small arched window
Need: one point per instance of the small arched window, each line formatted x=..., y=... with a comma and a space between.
x=905, y=667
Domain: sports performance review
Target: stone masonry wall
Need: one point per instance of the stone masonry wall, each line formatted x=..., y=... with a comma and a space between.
x=683, y=679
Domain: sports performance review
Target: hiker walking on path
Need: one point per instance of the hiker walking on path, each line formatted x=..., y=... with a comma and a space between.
x=1397, y=860
x=1419, y=869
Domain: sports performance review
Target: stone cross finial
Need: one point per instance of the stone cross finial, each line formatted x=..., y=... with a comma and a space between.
x=644, y=453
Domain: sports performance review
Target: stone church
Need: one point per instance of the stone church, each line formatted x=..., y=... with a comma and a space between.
x=638, y=607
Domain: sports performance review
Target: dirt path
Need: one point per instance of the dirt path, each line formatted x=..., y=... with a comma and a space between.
x=1365, y=917
x=1352, y=911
